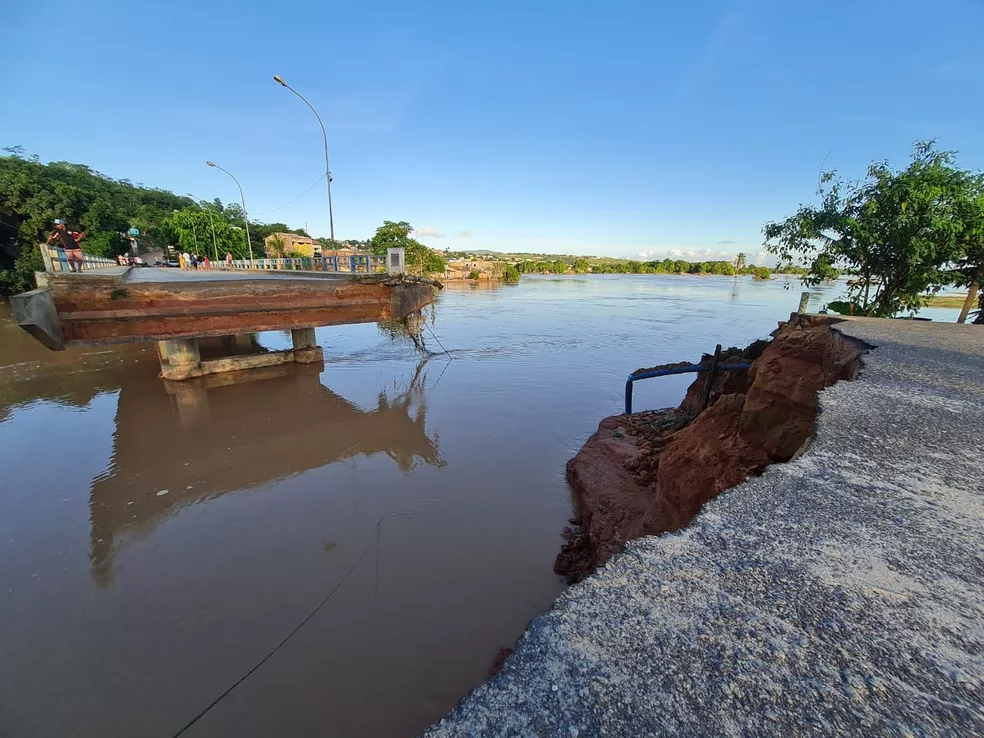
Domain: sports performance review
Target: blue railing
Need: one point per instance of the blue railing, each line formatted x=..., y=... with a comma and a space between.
x=712, y=366
x=365, y=263
x=55, y=260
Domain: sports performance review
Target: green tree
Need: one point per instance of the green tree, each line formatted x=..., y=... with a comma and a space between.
x=901, y=231
x=190, y=229
x=970, y=262
x=277, y=246
x=396, y=234
x=581, y=265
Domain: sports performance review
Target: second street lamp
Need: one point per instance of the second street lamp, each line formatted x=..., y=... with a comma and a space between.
x=252, y=261
x=331, y=217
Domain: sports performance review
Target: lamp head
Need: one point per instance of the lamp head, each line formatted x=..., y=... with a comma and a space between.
x=210, y=163
x=279, y=80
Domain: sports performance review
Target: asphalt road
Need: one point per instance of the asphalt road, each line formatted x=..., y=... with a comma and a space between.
x=839, y=594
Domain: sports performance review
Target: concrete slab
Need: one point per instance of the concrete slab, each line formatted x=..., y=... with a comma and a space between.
x=160, y=304
x=35, y=312
x=838, y=594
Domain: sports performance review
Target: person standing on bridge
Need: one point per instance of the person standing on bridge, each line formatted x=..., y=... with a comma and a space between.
x=229, y=259
x=69, y=242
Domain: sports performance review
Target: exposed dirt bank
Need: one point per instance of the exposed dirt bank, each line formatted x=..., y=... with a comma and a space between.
x=651, y=472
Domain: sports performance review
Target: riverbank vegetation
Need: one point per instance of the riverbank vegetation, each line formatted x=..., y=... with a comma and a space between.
x=906, y=233
x=581, y=265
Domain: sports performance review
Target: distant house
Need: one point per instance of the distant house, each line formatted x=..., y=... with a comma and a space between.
x=292, y=244
x=303, y=245
x=462, y=268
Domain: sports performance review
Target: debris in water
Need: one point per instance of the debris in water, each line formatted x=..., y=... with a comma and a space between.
x=162, y=492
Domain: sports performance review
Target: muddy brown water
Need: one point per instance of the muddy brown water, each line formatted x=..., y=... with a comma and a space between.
x=155, y=546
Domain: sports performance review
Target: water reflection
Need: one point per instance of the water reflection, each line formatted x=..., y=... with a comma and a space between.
x=71, y=378
x=181, y=443
x=481, y=285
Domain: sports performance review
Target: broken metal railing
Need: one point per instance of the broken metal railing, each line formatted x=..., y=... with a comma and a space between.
x=713, y=367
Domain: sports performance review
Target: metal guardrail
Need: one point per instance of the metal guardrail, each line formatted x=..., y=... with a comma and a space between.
x=712, y=366
x=364, y=263
x=55, y=260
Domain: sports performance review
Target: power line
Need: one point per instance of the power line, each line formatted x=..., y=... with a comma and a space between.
x=267, y=212
x=283, y=642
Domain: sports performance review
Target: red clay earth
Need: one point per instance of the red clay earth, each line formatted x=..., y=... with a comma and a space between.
x=651, y=472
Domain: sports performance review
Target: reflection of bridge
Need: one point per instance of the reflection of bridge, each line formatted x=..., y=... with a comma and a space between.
x=199, y=442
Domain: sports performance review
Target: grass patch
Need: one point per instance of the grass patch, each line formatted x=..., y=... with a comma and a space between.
x=946, y=301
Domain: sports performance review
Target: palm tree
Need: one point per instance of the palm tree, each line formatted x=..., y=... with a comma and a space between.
x=277, y=246
x=740, y=262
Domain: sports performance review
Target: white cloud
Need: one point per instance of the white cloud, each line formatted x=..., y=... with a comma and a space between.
x=687, y=254
x=428, y=232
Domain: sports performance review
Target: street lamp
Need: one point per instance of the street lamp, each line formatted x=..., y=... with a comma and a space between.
x=331, y=218
x=211, y=222
x=252, y=261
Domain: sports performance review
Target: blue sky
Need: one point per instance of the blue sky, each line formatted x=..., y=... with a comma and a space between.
x=617, y=128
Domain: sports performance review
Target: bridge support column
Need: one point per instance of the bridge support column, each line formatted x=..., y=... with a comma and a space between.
x=306, y=349
x=183, y=359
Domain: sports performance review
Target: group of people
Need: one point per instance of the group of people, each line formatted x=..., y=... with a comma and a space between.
x=193, y=262
x=69, y=241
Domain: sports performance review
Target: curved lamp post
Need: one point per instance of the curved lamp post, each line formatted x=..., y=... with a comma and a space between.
x=331, y=217
x=211, y=222
x=252, y=261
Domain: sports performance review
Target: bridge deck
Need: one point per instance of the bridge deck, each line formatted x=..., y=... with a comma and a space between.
x=118, y=305
x=165, y=275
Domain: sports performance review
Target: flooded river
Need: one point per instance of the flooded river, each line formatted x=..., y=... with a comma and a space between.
x=156, y=546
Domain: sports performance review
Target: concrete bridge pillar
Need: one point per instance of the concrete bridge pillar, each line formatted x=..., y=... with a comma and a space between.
x=183, y=358
x=306, y=349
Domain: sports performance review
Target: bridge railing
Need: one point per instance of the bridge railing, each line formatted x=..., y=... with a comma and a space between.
x=713, y=366
x=359, y=263
x=55, y=260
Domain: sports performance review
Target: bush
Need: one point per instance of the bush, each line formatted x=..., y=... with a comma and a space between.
x=21, y=277
x=762, y=273
x=512, y=274
x=473, y=274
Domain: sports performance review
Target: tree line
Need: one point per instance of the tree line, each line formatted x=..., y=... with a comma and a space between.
x=581, y=265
